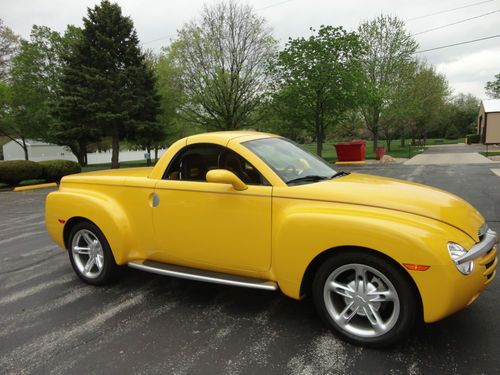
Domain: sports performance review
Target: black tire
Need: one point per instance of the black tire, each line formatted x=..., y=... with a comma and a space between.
x=400, y=311
x=96, y=275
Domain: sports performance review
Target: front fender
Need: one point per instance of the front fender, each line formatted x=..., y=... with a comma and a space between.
x=303, y=230
x=101, y=209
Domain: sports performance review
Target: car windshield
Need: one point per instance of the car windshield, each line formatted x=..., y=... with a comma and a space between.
x=293, y=164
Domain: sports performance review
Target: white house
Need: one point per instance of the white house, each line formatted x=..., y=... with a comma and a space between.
x=38, y=151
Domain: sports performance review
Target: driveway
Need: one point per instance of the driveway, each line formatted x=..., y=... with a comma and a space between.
x=449, y=155
x=51, y=322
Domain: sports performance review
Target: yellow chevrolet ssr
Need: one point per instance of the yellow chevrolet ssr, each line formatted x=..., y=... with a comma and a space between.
x=255, y=210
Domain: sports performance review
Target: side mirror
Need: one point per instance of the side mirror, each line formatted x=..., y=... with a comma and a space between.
x=223, y=176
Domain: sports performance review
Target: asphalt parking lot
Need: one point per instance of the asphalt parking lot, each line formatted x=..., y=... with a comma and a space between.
x=51, y=322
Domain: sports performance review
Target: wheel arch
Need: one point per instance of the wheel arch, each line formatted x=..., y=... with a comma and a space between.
x=313, y=266
x=71, y=223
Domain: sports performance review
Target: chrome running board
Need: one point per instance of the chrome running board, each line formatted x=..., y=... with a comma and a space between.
x=202, y=275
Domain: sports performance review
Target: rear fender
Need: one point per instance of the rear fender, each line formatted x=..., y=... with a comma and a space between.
x=100, y=209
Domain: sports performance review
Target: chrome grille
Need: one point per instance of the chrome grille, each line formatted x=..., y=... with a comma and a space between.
x=489, y=261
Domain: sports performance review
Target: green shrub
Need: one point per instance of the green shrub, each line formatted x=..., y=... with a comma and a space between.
x=472, y=138
x=452, y=133
x=14, y=171
x=54, y=170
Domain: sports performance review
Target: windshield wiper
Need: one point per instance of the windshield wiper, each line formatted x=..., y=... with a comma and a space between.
x=339, y=174
x=310, y=178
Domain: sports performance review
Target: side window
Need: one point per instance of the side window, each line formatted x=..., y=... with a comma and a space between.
x=233, y=162
x=193, y=163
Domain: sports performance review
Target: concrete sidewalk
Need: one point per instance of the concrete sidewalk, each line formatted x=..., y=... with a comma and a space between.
x=450, y=155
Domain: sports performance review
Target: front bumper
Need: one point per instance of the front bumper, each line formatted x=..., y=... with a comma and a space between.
x=489, y=240
x=444, y=290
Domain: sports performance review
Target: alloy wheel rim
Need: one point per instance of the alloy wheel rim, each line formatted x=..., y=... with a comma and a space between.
x=361, y=300
x=87, y=253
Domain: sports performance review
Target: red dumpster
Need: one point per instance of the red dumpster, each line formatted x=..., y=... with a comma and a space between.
x=351, y=151
x=379, y=152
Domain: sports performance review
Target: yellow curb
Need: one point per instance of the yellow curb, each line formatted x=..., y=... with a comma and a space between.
x=38, y=186
x=350, y=162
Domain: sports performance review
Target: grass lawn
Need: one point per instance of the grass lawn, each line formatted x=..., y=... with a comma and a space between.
x=397, y=151
x=31, y=182
x=328, y=153
x=123, y=164
x=442, y=141
x=490, y=153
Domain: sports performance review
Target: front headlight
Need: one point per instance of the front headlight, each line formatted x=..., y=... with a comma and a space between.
x=456, y=251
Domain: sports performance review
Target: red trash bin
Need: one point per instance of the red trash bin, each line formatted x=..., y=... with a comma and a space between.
x=351, y=151
x=379, y=152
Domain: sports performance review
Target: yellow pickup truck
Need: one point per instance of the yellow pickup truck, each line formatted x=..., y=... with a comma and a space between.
x=255, y=210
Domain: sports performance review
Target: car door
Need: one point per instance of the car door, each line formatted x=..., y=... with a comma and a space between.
x=202, y=224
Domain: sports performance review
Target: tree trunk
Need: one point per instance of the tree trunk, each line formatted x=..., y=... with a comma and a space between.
x=148, y=159
x=319, y=126
x=403, y=139
x=25, y=149
x=319, y=144
x=375, y=140
x=388, y=144
x=156, y=155
x=115, y=144
x=80, y=151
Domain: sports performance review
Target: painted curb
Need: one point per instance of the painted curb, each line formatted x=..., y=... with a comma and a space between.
x=350, y=162
x=38, y=186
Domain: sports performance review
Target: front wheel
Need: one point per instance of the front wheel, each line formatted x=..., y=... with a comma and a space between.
x=365, y=298
x=90, y=254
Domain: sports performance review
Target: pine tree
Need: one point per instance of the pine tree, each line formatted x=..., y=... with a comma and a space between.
x=104, y=89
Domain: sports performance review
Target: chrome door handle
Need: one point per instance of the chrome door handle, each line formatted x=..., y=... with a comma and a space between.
x=155, y=200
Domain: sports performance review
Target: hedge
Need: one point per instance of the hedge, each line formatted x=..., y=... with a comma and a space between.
x=54, y=170
x=13, y=172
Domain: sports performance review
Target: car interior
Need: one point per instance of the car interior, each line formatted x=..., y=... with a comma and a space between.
x=193, y=163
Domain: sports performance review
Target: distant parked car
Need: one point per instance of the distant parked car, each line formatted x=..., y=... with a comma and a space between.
x=255, y=210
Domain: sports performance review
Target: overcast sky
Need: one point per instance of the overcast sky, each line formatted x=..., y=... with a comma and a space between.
x=467, y=67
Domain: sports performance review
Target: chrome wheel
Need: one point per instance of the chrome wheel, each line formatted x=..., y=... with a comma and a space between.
x=88, y=254
x=361, y=300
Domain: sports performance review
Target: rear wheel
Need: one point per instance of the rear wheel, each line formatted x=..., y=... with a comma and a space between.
x=365, y=298
x=90, y=254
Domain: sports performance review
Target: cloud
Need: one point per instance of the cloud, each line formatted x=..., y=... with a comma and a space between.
x=470, y=73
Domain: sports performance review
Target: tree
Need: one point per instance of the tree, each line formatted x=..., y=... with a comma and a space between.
x=9, y=43
x=34, y=75
x=493, y=87
x=224, y=58
x=320, y=77
x=460, y=115
x=418, y=105
x=148, y=132
x=105, y=88
x=70, y=128
x=172, y=95
x=389, y=51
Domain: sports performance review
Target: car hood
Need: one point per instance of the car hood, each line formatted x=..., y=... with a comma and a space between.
x=393, y=194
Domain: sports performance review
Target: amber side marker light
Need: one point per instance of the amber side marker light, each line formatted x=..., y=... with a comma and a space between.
x=416, y=267
x=61, y=221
